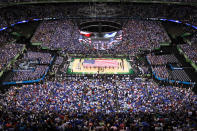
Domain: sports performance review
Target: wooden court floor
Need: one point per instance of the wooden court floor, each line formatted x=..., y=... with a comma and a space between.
x=76, y=66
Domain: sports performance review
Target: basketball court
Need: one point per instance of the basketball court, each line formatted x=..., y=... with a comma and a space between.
x=99, y=66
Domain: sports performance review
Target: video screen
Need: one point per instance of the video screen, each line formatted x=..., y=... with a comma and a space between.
x=100, y=41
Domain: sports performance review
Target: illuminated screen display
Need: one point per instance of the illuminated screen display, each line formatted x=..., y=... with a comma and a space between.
x=100, y=41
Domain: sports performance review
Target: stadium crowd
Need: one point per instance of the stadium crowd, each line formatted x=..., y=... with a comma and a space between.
x=145, y=35
x=54, y=34
x=161, y=59
x=190, y=51
x=80, y=104
x=161, y=72
x=159, y=65
x=44, y=58
x=94, y=104
x=24, y=75
x=65, y=36
x=59, y=60
x=8, y=52
x=156, y=60
x=36, y=71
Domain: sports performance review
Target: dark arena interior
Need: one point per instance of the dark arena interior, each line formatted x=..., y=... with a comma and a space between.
x=98, y=65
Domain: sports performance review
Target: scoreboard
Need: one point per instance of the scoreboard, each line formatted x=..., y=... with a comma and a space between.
x=100, y=41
